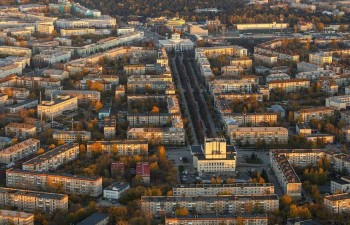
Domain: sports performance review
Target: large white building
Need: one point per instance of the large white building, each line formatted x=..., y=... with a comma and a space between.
x=176, y=44
x=57, y=106
x=338, y=102
x=214, y=156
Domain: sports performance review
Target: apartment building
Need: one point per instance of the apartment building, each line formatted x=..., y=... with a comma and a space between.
x=109, y=127
x=33, y=200
x=263, y=26
x=20, y=130
x=56, y=107
x=308, y=67
x=21, y=105
x=51, y=57
x=53, y=159
x=301, y=158
x=33, y=82
x=316, y=75
x=244, y=62
x=15, y=51
x=71, y=136
x=231, y=50
x=19, y=151
x=250, y=189
x=286, y=176
x=83, y=96
x=319, y=113
x=338, y=102
x=54, y=182
x=337, y=203
x=120, y=147
x=211, y=204
x=231, y=70
x=232, y=85
x=290, y=85
x=16, y=218
x=345, y=116
x=100, y=22
x=252, y=135
x=208, y=219
x=20, y=93
x=252, y=119
x=277, y=76
x=46, y=28
x=340, y=162
x=214, y=156
x=341, y=185
x=162, y=136
x=320, y=58
x=266, y=58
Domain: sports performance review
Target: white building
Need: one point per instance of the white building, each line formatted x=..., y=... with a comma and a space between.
x=176, y=44
x=114, y=191
x=215, y=157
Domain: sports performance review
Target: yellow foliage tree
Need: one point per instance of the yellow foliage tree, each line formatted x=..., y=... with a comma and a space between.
x=181, y=211
x=52, y=146
x=40, y=151
x=155, y=109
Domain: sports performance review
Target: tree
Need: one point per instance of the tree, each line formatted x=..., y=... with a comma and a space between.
x=40, y=151
x=299, y=211
x=319, y=26
x=161, y=152
x=98, y=105
x=155, y=109
x=82, y=149
x=182, y=211
x=52, y=146
x=286, y=200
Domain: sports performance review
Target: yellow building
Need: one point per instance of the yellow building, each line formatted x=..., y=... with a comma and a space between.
x=251, y=135
x=33, y=200
x=16, y=218
x=19, y=151
x=120, y=147
x=290, y=85
x=56, y=107
x=20, y=130
x=53, y=182
x=337, y=203
x=320, y=58
x=319, y=113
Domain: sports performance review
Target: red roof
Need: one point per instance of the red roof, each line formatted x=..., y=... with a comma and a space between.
x=142, y=168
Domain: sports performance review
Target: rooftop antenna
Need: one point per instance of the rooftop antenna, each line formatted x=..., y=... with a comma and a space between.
x=72, y=124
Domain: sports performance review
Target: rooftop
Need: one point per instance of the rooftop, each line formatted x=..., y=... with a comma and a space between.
x=94, y=219
x=338, y=197
x=37, y=194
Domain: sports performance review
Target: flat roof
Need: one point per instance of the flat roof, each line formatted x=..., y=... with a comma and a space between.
x=209, y=198
x=94, y=219
x=37, y=194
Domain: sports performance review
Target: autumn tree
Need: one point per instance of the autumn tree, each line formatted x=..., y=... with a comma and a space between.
x=40, y=151
x=52, y=146
x=181, y=211
x=286, y=200
x=299, y=211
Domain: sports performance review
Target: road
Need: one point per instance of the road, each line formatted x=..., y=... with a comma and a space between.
x=195, y=77
x=183, y=101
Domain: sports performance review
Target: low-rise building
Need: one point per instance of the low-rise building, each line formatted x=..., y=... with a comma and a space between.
x=286, y=176
x=96, y=219
x=109, y=127
x=277, y=76
x=308, y=67
x=341, y=185
x=142, y=170
x=52, y=159
x=114, y=191
x=319, y=113
x=213, y=219
x=56, y=107
x=163, y=136
x=19, y=151
x=338, y=102
x=320, y=138
x=177, y=44
x=54, y=182
x=71, y=136
x=120, y=147
x=211, y=204
x=249, y=189
x=253, y=135
x=33, y=200
x=320, y=58
x=20, y=130
x=252, y=119
x=16, y=218
x=83, y=96
x=290, y=85
x=337, y=203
